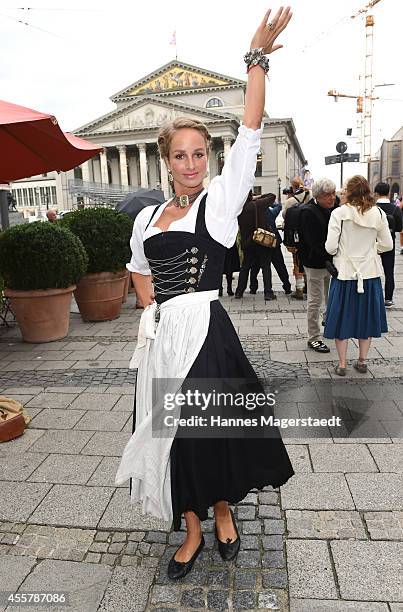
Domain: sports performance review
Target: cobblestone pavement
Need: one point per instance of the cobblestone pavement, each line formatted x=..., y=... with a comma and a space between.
x=329, y=540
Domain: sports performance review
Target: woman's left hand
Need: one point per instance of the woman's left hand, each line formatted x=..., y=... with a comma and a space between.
x=268, y=31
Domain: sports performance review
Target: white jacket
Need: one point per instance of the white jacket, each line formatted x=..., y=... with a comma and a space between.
x=355, y=240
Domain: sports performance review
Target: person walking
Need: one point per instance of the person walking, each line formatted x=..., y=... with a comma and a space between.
x=178, y=254
x=314, y=222
x=300, y=194
x=231, y=265
x=253, y=216
x=357, y=232
x=394, y=217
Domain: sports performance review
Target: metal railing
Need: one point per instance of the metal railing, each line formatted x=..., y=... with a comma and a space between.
x=99, y=193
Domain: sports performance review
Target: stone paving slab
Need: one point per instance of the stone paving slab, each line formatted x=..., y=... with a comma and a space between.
x=84, y=583
x=121, y=514
x=109, y=444
x=128, y=589
x=388, y=457
x=299, y=456
x=376, y=491
x=95, y=401
x=310, y=570
x=331, y=605
x=325, y=524
x=50, y=418
x=21, y=466
x=104, y=475
x=317, y=492
x=61, y=441
x=342, y=458
x=101, y=421
x=19, y=499
x=65, y=469
x=72, y=506
x=52, y=400
x=368, y=571
x=43, y=542
x=22, y=443
x=385, y=525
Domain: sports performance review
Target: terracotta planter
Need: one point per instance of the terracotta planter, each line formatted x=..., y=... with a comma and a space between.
x=43, y=315
x=126, y=287
x=99, y=296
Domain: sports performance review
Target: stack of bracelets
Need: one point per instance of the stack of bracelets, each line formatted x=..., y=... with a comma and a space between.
x=256, y=57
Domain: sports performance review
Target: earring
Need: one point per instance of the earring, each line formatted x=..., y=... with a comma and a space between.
x=170, y=177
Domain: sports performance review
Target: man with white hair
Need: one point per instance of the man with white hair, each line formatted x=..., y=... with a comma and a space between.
x=314, y=221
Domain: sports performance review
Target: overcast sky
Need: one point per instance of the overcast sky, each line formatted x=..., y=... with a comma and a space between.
x=75, y=54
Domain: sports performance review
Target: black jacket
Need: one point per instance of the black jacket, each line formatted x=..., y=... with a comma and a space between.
x=314, y=222
x=393, y=211
x=253, y=209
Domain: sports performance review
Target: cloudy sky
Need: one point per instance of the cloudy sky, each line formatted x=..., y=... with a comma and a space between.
x=74, y=55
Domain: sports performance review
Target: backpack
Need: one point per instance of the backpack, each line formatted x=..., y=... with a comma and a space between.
x=292, y=226
x=391, y=220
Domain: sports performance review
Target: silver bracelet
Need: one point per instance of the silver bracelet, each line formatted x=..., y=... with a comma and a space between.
x=256, y=57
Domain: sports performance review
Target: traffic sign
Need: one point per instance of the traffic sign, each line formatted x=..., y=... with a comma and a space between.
x=337, y=159
x=341, y=147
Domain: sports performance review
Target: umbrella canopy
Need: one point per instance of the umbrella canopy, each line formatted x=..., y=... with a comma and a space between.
x=135, y=201
x=32, y=143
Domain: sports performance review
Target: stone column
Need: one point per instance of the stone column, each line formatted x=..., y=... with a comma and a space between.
x=143, y=164
x=227, y=146
x=124, y=176
x=282, y=148
x=164, y=178
x=85, y=167
x=104, y=166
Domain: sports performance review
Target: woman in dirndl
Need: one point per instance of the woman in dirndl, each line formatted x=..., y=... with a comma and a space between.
x=177, y=263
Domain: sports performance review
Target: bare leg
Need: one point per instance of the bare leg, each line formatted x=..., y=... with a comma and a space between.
x=193, y=537
x=364, y=348
x=223, y=521
x=341, y=347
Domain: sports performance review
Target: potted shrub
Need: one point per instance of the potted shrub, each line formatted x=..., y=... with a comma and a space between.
x=41, y=264
x=105, y=234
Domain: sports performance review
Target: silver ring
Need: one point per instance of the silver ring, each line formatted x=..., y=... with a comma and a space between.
x=270, y=25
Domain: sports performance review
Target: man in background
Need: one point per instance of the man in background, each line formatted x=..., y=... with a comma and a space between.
x=394, y=216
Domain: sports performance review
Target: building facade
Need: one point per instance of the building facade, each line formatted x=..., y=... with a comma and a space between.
x=388, y=165
x=128, y=135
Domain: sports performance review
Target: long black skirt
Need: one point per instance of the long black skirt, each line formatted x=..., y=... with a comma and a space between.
x=207, y=470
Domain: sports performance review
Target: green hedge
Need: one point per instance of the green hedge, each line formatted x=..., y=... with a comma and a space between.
x=105, y=234
x=41, y=255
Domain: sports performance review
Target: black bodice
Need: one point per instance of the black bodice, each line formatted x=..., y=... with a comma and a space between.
x=183, y=262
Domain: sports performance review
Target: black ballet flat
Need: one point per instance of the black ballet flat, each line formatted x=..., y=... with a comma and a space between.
x=179, y=569
x=229, y=550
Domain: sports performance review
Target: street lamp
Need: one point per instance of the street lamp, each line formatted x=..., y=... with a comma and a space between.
x=279, y=190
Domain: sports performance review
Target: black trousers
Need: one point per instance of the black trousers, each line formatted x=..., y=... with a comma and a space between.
x=277, y=259
x=255, y=256
x=388, y=262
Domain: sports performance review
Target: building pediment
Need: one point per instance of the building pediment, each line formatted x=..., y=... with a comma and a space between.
x=176, y=76
x=148, y=112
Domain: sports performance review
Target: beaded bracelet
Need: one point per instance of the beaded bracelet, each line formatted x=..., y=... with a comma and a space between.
x=256, y=57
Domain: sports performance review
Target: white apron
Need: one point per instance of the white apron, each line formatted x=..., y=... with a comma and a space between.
x=166, y=352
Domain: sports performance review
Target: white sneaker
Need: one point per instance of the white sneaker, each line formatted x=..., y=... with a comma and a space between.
x=389, y=303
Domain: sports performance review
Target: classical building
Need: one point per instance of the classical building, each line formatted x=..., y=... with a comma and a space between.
x=128, y=134
x=388, y=164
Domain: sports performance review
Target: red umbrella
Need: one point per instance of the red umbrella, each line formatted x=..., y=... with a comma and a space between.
x=32, y=143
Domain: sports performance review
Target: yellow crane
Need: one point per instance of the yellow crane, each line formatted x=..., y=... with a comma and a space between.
x=366, y=98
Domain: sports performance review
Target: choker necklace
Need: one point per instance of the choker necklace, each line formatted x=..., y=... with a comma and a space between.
x=183, y=201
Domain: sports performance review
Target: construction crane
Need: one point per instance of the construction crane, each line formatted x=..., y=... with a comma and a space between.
x=366, y=98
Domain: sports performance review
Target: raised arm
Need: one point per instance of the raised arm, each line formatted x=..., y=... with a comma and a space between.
x=263, y=40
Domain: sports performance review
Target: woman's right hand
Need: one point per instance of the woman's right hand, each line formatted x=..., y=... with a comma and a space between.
x=268, y=31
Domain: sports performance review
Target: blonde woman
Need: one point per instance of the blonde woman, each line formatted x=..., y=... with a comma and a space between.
x=185, y=333
x=358, y=231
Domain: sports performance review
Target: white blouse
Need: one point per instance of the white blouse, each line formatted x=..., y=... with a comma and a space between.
x=226, y=195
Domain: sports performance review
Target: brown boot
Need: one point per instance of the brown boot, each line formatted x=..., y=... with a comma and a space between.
x=298, y=294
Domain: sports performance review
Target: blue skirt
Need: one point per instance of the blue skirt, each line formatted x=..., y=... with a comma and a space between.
x=355, y=315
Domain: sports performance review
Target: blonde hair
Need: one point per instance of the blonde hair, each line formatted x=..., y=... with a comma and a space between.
x=358, y=193
x=297, y=182
x=168, y=131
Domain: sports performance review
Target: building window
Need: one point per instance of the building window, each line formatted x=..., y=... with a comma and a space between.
x=214, y=102
x=395, y=168
x=54, y=198
x=257, y=190
x=78, y=173
x=396, y=150
x=259, y=164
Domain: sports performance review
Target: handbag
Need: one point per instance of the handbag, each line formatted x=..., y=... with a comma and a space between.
x=13, y=420
x=262, y=236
